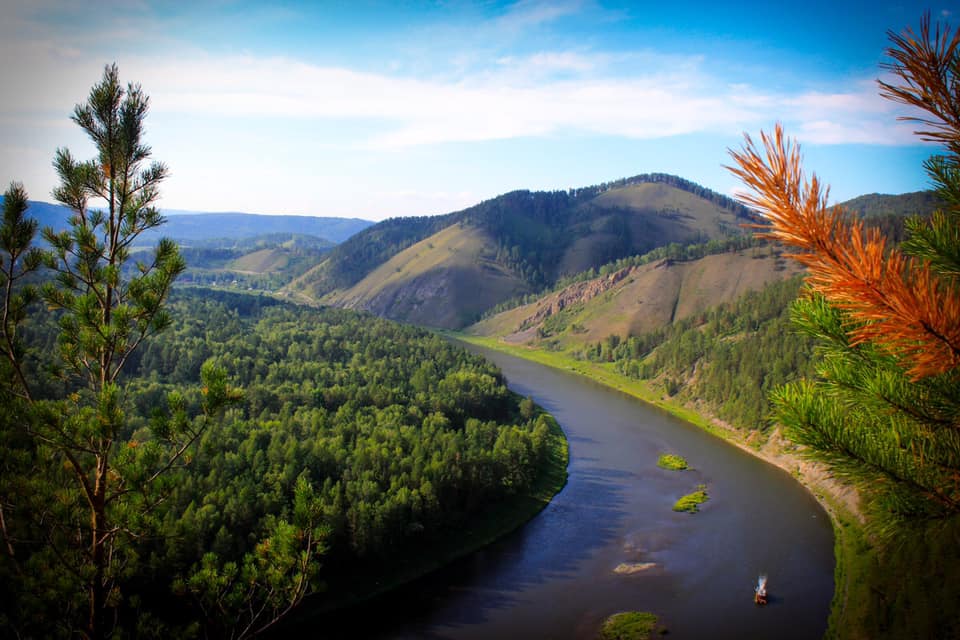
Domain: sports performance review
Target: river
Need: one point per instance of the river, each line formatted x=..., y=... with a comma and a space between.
x=555, y=578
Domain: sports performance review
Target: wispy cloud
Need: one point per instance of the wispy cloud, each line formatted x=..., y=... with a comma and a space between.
x=636, y=94
x=533, y=13
x=506, y=103
x=454, y=84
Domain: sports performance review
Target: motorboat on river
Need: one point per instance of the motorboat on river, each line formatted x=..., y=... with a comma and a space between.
x=760, y=591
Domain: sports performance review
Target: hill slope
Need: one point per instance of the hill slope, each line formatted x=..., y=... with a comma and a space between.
x=904, y=204
x=636, y=299
x=263, y=263
x=524, y=240
x=447, y=280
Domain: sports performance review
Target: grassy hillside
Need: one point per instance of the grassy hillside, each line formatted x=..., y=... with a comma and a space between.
x=529, y=240
x=261, y=261
x=636, y=299
x=446, y=280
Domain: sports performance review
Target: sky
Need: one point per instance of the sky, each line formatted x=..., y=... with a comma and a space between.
x=384, y=109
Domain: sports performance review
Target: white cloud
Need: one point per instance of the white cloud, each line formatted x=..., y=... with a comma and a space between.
x=533, y=13
x=639, y=94
x=484, y=94
x=505, y=104
x=833, y=132
x=562, y=61
x=675, y=97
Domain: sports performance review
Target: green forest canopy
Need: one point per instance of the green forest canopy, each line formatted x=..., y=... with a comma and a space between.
x=402, y=438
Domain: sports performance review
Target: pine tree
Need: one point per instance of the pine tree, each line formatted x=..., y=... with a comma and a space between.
x=886, y=404
x=81, y=488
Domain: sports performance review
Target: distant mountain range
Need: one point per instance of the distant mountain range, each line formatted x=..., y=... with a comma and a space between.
x=188, y=227
x=191, y=227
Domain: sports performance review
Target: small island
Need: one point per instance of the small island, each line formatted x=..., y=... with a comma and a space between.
x=629, y=625
x=692, y=501
x=672, y=462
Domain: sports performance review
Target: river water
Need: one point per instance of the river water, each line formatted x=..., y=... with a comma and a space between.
x=555, y=578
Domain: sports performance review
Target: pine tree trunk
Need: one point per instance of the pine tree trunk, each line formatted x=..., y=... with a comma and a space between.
x=98, y=522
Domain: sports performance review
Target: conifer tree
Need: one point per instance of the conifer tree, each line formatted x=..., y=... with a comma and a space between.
x=886, y=404
x=88, y=488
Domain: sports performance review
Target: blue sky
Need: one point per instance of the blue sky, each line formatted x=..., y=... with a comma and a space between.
x=380, y=109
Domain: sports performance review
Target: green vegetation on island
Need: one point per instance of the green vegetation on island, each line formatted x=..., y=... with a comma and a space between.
x=630, y=625
x=691, y=502
x=672, y=462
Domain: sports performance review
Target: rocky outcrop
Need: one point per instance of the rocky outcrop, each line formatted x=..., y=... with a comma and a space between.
x=576, y=293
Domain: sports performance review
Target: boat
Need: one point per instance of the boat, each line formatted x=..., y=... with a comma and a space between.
x=760, y=591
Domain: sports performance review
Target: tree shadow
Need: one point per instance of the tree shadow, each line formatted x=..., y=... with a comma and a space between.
x=585, y=516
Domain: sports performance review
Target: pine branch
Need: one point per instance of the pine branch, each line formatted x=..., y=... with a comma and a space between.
x=897, y=301
x=926, y=63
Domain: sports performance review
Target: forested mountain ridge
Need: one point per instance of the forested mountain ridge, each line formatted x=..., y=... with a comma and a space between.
x=596, y=310
x=900, y=205
x=526, y=240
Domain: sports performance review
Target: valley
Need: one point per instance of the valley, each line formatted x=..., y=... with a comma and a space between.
x=648, y=285
x=615, y=514
x=716, y=397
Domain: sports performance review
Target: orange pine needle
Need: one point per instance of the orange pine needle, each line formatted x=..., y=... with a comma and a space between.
x=896, y=301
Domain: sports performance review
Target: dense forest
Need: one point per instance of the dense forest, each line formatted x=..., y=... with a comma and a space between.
x=729, y=357
x=395, y=437
x=206, y=483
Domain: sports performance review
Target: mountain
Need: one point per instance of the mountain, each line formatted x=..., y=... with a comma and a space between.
x=446, y=270
x=193, y=227
x=445, y=280
x=641, y=295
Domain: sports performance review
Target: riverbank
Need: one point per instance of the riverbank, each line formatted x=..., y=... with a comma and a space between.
x=853, y=554
x=484, y=528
